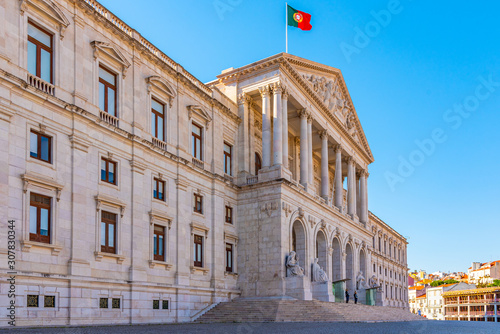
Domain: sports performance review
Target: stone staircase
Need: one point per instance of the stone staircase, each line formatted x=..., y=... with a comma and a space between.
x=276, y=310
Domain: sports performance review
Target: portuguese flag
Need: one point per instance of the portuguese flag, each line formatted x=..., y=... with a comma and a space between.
x=299, y=19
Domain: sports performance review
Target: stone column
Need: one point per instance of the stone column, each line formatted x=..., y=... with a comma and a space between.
x=351, y=187
x=310, y=151
x=363, y=215
x=284, y=116
x=266, y=126
x=338, y=178
x=304, y=160
x=277, y=125
x=324, y=164
x=243, y=135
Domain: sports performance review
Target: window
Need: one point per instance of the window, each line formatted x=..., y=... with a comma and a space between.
x=32, y=301
x=258, y=163
x=40, y=52
x=197, y=142
x=159, y=243
x=164, y=305
x=115, y=303
x=40, y=207
x=374, y=268
x=198, y=251
x=157, y=120
x=229, y=258
x=108, y=232
x=40, y=146
x=156, y=304
x=103, y=302
x=108, y=171
x=227, y=159
x=107, y=91
x=159, y=189
x=198, y=204
x=385, y=271
x=229, y=214
x=49, y=301
x=379, y=244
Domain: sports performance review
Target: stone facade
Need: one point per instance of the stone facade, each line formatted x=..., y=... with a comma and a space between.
x=289, y=116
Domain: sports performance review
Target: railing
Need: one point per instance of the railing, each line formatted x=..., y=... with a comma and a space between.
x=108, y=118
x=451, y=313
x=198, y=163
x=40, y=84
x=159, y=143
x=451, y=301
x=490, y=312
x=476, y=312
x=110, y=17
x=157, y=52
x=163, y=57
x=252, y=179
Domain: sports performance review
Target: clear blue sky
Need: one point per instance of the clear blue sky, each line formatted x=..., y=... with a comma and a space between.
x=405, y=80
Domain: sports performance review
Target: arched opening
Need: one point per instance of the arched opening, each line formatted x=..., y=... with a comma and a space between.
x=299, y=243
x=321, y=249
x=349, y=268
x=336, y=260
x=258, y=163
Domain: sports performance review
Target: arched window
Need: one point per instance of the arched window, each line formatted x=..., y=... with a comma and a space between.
x=258, y=163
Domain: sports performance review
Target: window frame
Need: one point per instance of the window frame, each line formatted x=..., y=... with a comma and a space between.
x=37, y=237
x=158, y=257
x=228, y=157
x=106, y=86
x=229, y=254
x=228, y=218
x=198, y=244
x=109, y=161
x=194, y=138
x=39, y=146
x=106, y=248
x=156, y=182
x=156, y=115
x=198, y=198
x=39, y=45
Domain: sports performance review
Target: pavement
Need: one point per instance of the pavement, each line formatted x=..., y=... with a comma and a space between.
x=409, y=327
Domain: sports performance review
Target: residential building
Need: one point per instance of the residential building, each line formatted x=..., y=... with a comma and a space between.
x=473, y=304
x=484, y=272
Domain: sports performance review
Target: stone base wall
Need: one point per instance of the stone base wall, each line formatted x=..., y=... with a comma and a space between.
x=77, y=302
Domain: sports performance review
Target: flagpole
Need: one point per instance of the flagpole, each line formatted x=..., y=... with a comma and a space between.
x=286, y=26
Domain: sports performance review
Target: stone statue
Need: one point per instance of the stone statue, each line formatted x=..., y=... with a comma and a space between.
x=372, y=282
x=292, y=265
x=318, y=274
x=360, y=281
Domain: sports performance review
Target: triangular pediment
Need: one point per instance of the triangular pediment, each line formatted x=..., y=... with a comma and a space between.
x=112, y=52
x=49, y=9
x=200, y=112
x=328, y=88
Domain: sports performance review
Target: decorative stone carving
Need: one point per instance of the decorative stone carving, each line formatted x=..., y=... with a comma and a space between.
x=292, y=266
x=328, y=90
x=318, y=274
x=360, y=281
x=373, y=282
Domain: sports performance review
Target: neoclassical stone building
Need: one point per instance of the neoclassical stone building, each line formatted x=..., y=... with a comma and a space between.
x=139, y=194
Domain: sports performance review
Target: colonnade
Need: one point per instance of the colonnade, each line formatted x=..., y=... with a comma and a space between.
x=275, y=151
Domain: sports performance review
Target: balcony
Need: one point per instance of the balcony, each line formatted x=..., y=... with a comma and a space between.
x=252, y=179
x=198, y=163
x=110, y=119
x=40, y=84
x=159, y=143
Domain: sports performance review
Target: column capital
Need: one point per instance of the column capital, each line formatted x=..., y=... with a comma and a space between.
x=309, y=117
x=277, y=88
x=244, y=98
x=285, y=93
x=337, y=148
x=364, y=173
x=264, y=90
x=323, y=134
x=350, y=160
x=302, y=113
